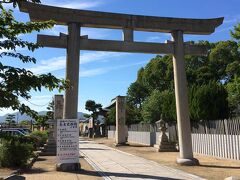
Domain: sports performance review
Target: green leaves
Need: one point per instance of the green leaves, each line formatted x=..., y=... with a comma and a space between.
x=18, y=82
x=207, y=77
x=208, y=102
x=236, y=32
x=159, y=104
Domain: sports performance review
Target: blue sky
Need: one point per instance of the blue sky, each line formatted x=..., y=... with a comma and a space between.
x=104, y=75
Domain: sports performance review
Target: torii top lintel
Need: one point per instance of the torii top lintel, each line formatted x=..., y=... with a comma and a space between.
x=63, y=16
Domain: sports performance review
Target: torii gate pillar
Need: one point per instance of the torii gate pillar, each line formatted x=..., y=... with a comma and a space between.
x=70, y=110
x=72, y=72
x=180, y=84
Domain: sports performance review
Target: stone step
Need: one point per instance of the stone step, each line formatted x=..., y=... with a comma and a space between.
x=165, y=148
x=167, y=143
x=51, y=140
x=49, y=149
x=50, y=145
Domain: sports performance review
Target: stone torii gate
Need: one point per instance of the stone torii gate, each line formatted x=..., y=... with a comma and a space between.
x=73, y=43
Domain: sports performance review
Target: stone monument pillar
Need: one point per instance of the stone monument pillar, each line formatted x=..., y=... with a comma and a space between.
x=50, y=147
x=180, y=85
x=58, y=111
x=120, y=134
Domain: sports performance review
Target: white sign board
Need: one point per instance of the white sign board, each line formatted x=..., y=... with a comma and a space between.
x=67, y=141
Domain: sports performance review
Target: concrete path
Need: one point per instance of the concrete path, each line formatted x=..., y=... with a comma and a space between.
x=115, y=164
x=44, y=169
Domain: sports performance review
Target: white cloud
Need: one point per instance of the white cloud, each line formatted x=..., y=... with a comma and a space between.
x=10, y=50
x=93, y=33
x=224, y=29
x=98, y=56
x=81, y=5
x=37, y=103
x=4, y=111
x=58, y=63
x=53, y=64
x=99, y=71
x=231, y=19
x=92, y=72
x=161, y=37
x=84, y=4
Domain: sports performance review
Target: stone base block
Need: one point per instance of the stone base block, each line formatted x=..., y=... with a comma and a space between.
x=68, y=167
x=232, y=178
x=188, y=162
x=47, y=154
x=169, y=148
x=120, y=144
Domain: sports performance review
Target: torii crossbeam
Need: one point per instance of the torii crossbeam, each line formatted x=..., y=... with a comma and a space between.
x=73, y=42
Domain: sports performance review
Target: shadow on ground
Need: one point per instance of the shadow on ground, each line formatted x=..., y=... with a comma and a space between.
x=124, y=175
x=100, y=149
x=41, y=159
x=215, y=166
x=35, y=171
x=99, y=173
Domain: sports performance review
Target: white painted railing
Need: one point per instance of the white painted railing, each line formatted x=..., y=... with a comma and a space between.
x=216, y=145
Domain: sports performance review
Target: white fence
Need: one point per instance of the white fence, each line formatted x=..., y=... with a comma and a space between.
x=111, y=134
x=216, y=145
x=141, y=137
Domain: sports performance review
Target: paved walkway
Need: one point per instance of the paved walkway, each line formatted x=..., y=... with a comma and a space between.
x=44, y=169
x=115, y=164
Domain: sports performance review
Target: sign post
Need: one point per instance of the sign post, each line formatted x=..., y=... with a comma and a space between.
x=67, y=142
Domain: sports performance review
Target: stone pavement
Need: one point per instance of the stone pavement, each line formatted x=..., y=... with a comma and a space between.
x=115, y=164
x=44, y=169
x=106, y=162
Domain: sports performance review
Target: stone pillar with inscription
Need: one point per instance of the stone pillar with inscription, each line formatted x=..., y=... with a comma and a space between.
x=50, y=147
x=58, y=111
x=120, y=135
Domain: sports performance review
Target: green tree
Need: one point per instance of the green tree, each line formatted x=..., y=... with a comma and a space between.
x=111, y=117
x=236, y=32
x=168, y=106
x=25, y=123
x=95, y=108
x=17, y=82
x=159, y=105
x=152, y=110
x=136, y=94
x=10, y=120
x=158, y=74
x=50, y=110
x=233, y=89
x=224, y=61
x=133, y=115
x=41, y=121
x=208, y=102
